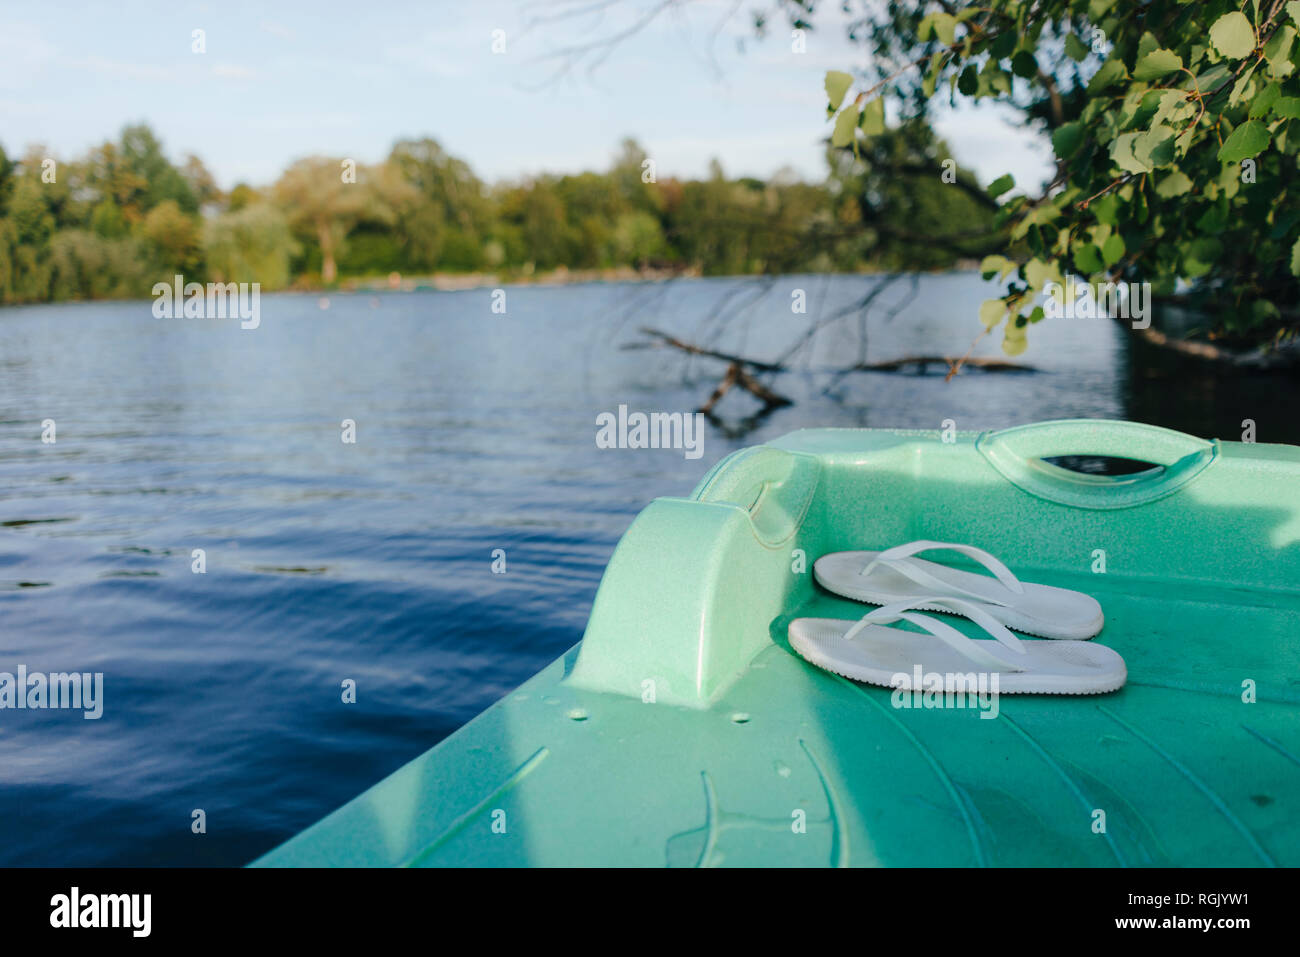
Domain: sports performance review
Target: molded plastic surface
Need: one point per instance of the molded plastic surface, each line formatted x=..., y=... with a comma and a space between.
x=683, y=731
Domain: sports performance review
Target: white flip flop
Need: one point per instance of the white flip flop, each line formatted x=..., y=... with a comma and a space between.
x=881, y=578
x=868, y=651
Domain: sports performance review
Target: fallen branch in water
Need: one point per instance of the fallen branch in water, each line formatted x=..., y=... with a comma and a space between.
x=1285, y=355
x=739, y=368
x=951, y=365
x=736, y=375
x=666, y=340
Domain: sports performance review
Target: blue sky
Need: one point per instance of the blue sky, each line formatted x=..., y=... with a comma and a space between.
x=278, y=82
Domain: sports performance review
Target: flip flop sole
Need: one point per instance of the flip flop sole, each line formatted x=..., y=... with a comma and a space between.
x=878, y=655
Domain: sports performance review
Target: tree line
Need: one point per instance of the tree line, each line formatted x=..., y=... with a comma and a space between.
x=124, y=216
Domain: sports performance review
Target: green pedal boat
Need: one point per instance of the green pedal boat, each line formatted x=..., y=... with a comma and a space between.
x=684, y=731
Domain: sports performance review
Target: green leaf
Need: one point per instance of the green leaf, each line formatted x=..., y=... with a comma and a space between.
x=1112, y=250
x=1232, y=35
x=1295, y=250
x=1249, y=139
x=1146, y=44
x=992, y=311
x=1293, y=8
x=1277, y=51
x=941, y=25
x=1039, y=273
x=1173, y=107
x=1229, y=182
x=1111, y=72
x=845, y=124
x=1243, y=87
x=1098, y=9
x=931, y=75
x=1155, y=147
x=1214, y=218
x=1156, y=64
x=1001, y=185
x=1201, y=255
x=1013, y=344
x=1141, y=212
x=1075, y=48
x=1024, y=65
x=1284, y=224
x=1129, y=107
x=997, y=265
x=1175, y=184
x=1107, y=209
x=1213, y=75
x=1262, y=103
x=1087, y=259
x=968, y=83
x=945, y=27
x=1287, y=107
x=1067, y=138
x=1044, y=213
x=1121, y=154
x=872, y=121
x=1003, y=45
x=837, y=84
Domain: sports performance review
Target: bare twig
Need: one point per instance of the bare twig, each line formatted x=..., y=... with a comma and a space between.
x=687, y=347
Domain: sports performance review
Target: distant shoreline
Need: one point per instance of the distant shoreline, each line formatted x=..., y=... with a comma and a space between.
x=457, y=282
x=452, y=282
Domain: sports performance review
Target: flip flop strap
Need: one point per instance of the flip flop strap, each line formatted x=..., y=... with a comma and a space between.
x=977, y=651
x=896, y=559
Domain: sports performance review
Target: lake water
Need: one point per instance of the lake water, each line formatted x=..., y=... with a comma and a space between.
x=372, y=561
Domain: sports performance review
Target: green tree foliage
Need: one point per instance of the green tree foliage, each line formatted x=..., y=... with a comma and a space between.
x=637, y=238
x=173, y=237
x=252, y=243
x=1170, y=123
x=29, y=229
x=321, y=206
x=110, y=224
x=454, y=216
x=7, y=170
x=85, y=265
x=904, y=201
x=124, y=217
x=142, y=159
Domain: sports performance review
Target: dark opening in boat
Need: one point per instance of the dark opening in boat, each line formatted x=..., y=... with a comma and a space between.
x=1103, y=464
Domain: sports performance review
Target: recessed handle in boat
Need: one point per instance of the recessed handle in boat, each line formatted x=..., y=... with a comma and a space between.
x=1020, y=454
